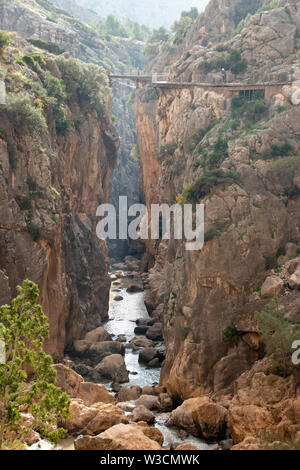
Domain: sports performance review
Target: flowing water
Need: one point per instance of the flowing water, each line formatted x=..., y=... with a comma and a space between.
x=122, y=321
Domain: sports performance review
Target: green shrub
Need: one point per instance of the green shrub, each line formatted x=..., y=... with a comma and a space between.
x=62, y=122
x=54, y=86
x=231, y=335
x=12, y=155
x=22, y=112
x=23, y=203
x=210, y=234
x=90, y=80
x=195, y=137
x=278, y=151
x=270, y=262
x=47, y=46
x=251, y=111
x=34, y=231
x=278, y=334
x=231, y=61
x=32, y=185
x=31, y=62
x=5, y=39
x=292, y=192
x=193, y=192
x=166, y=151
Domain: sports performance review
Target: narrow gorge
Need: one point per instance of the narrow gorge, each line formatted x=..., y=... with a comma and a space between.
x=153, y=346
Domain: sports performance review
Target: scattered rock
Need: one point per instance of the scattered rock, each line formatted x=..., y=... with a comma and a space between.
x=118, y=298
x=134, y=288
x=67, y=379
x=141, y=342
x=107, y=416
x=122, y=338
x=153, y=433
x=141, y=413
x=127, y=394
x=155, y=332
x=80, y=414
x=92, y=393
x=149, y=401
x=226, y=445
x=147, y=354
x=154, y=363
x=113, y=367
x=165, y=402
x=294, y=280
x=272, y=287
x=141, y=330
x=210, y=420
x=99, y=334
x=182, y=417
x=186, y=446
x=119, y=437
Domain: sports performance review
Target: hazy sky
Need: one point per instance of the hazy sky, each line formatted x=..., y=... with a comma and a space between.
x=153, y=13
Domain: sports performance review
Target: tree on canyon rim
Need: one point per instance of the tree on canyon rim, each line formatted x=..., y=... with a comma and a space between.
x=27, y=379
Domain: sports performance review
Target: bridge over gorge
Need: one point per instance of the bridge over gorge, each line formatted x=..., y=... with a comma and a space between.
x=265, y=89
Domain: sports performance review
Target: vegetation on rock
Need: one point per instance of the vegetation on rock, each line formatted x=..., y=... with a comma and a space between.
x=278, y=334
x=23, y=329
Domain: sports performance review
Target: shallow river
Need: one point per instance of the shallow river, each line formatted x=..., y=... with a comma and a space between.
x=122, y=321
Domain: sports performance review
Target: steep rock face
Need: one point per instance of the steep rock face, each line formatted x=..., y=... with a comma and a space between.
x=248, y=220
x=51, y=186
x=84, y=43
x=126, y=179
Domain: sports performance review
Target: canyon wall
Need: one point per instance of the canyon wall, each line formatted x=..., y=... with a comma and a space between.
x=73, y=273
x=54, y=174
x=244, y=166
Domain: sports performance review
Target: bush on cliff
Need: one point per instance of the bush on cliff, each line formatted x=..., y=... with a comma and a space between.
x=46, y=45
x=23, y=330
x=89, y=80
x=22, y=111
x=5, y=39
x=251, y=111
x=194, y=192
x=278, y=334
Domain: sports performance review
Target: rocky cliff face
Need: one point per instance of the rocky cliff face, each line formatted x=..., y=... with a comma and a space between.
x=86, y=261
x=251, y=196
x=57, y=157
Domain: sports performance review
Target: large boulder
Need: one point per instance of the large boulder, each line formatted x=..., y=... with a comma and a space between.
x=153, y=433
x=99, y=334
x=96, y=352
x=294, y=280
x=165, y=402
x=134, y=288
x=182, y=417
x=119, y=437
x=147, y=355
x=92, y=393
x=141, y=413
x=155, y=332
x=113, y=367
x=272, y=287
x=127, y=394
x=67, y=379
x=141, y=342
x=107, y=416
x=210, y=420
x=149, y=401
x=80, y=416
